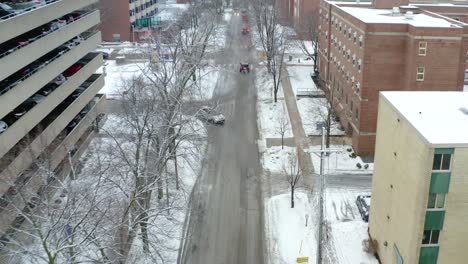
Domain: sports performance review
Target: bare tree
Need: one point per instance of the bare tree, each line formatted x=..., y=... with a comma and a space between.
x=293, y=172
x=308, y=36
x=283, y=125
x=152, y=109
x=273, y=38
x=326, y=113
x=60, y=222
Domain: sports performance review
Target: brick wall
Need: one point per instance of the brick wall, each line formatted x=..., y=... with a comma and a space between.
x=359, y=60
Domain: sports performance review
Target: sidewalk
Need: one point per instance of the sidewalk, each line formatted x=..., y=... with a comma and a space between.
x=300, y=137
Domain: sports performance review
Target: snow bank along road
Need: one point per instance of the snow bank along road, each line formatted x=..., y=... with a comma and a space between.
x=225, y=225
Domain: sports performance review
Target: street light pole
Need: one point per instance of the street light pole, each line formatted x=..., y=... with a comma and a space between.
x=320, y=233
x=322, y=151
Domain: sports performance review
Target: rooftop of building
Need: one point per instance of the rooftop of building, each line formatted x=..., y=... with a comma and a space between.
x=385, y=16
x=441, y=118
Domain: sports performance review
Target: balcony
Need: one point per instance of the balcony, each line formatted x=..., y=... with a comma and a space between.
x=49, y=129
x=58, y=162
x=34, y=116
x=23, y=22
x=32, y=83
x=45, y=43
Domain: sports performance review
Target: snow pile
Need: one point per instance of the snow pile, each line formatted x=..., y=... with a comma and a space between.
x=275, y=158
x=288, y=236
x=346, y=229
x=341, y=162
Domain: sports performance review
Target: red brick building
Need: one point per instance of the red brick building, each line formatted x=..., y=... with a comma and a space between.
x=292, y=11
x=365, y=48
x=122, y=20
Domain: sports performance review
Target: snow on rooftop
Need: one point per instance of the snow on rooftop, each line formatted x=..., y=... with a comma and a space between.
x=370, y=15
x=440, y=117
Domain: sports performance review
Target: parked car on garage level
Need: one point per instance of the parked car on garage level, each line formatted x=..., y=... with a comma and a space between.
x=3, y=126
x=73, y=69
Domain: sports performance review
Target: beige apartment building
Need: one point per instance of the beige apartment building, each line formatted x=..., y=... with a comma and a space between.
x=419, y=210
x=49, y=106
x=387, y=45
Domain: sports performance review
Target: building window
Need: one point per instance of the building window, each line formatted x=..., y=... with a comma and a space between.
x=420, y=74
x=422, y=48
x=360, y=41
x=357, y=113
x=354, y=59
x=436, y=201
x=431, y=237
x=116, y=37
x=359, y=65
x=441, y=162
x=354, y=37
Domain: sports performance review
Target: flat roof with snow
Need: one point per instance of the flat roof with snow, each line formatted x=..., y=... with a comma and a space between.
x=440, y=117
x=384, y=16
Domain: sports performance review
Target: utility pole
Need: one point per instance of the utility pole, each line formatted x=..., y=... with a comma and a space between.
x=322, y=151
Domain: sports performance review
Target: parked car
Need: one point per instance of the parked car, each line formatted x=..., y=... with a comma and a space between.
x=78, y=92
x=73, y=123
x=3, y=126
x=48, y=89
x=7, y=11
x=22, y=109
x=59, y=80
x=58, y=23
x=35, y=99
x=73, y=69
x=209, y=115
x=363, y=203
x=71, y=16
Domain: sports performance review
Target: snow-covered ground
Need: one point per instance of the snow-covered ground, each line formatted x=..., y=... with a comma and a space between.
x=269, y=113
x=218, y=39
x=300, y=79
x=275, y=158
x=313, y=113
x=115, y=74
x=345, y=228
x=206, y=83
x=340, y=162
x=291, y=232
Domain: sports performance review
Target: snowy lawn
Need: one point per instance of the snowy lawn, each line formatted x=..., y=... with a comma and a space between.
x=275, y=158
x=206, y=83
x=116, y=73
x=341, y=162
x=217, y=40
x=313, y=113
x=269, y=113
x=291, y=232
x=300, y=78
x=346, y=229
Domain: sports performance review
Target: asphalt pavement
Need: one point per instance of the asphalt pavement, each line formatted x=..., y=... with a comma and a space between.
x=225, y=224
